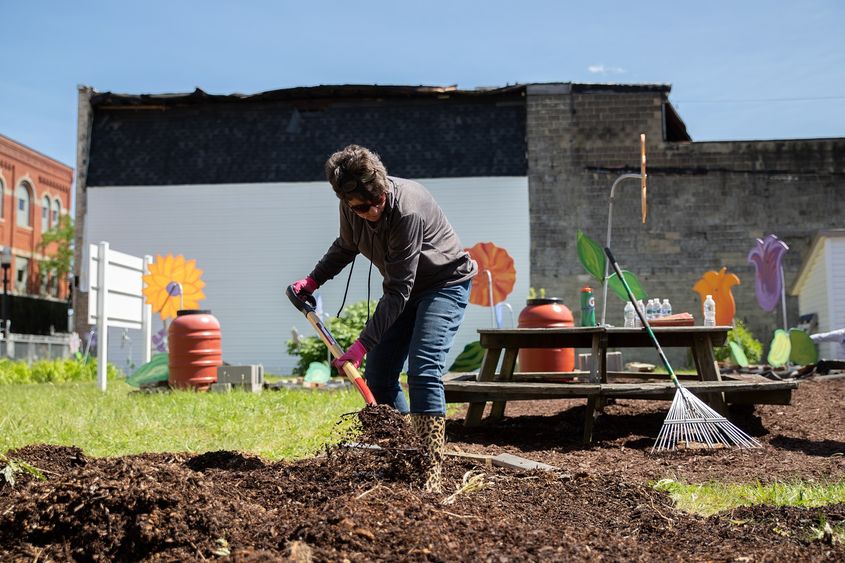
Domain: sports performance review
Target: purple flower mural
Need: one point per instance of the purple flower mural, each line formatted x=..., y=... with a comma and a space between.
x=159, y=341
x=767, y=256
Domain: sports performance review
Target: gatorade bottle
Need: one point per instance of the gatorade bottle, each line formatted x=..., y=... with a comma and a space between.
x=588, y=307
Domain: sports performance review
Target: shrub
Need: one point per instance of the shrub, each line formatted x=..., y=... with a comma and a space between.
x=752, y=347
x=345, y=330
x=52, y=371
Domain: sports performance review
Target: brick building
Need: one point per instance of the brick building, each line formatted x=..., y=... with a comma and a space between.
x=567, y=142
x=36, y=195
x=708, y=201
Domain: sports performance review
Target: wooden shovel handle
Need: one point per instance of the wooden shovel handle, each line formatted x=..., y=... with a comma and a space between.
x=349, y=369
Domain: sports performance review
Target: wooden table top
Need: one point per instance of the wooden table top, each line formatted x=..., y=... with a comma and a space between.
x=582, y=337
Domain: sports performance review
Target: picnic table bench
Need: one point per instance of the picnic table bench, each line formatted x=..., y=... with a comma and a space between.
x=597, y=384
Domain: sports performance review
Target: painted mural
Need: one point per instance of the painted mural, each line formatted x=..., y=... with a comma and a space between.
x=767, y=258
x=500, y=265
x=172, y=284
x=719, y=284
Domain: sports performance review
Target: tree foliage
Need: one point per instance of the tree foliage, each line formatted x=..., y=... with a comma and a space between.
x=57, y=249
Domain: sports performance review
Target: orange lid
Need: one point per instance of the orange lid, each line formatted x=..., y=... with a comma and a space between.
x=586, y=288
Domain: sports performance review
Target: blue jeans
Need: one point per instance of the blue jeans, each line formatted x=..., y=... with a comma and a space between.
x=423, y=335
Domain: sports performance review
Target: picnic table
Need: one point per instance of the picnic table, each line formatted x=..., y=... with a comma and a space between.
x=597, y=385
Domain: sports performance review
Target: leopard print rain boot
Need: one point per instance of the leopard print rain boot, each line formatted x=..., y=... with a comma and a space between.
x=432, y=432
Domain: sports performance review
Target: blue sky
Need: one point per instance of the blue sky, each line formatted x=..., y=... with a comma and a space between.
x=739, y=70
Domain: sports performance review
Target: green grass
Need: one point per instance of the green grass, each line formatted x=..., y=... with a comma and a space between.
x=274, y=424
x=710, y=498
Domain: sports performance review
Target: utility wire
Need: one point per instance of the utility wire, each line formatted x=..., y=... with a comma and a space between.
x=759, y=100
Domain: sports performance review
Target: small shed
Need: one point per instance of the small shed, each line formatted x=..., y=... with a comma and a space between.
x=820, y=286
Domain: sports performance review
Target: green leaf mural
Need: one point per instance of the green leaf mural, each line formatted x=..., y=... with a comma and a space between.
x=154, y=371
x=591, y=256
x=616, y=285
x=804, y=351
x=469, y=359
x=738, y=356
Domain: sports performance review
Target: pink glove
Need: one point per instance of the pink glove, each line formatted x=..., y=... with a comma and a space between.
x=308, y=285
x=354, y=356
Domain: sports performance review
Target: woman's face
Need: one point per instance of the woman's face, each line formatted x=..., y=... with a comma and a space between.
x=365, y=210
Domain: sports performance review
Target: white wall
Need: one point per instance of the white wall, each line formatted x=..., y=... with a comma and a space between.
x=836, y=279
x=814, y=295
x=251, y=240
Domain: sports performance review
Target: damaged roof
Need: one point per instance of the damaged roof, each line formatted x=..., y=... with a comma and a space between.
x=356, y=91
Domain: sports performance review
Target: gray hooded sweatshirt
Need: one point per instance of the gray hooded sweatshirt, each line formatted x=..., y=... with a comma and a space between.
x=412, y=245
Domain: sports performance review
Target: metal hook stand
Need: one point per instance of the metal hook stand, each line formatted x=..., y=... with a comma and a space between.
x=607, y=245
x=490, y=293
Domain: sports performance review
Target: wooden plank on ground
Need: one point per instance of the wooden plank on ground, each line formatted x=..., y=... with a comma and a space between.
x=505, y=460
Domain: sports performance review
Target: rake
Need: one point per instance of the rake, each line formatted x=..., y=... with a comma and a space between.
x=690, y=420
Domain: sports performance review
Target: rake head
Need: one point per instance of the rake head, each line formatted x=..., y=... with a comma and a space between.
x=691, y=424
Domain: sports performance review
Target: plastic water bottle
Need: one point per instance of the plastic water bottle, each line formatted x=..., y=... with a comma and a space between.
x=666, y=308
x=630, y=315
x=709, y=311
x=658, y=310
x=637, y=322
x=650, y=310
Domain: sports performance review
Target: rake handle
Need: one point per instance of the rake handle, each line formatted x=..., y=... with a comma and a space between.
x=642, y=316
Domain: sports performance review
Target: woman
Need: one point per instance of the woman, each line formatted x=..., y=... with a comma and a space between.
x=399, y=227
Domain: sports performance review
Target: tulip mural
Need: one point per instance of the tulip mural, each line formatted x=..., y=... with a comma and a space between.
x=718, y=285
x=767, y=257
x=172, y=284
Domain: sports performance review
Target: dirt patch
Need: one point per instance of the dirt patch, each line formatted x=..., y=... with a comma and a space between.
x=365, y=504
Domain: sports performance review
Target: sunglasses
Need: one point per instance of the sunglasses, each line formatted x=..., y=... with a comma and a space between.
x=364, y=207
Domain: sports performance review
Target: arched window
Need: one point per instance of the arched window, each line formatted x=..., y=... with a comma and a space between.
x=45, y=214
x=23, y=195
x=2, y=199
x=57, y=211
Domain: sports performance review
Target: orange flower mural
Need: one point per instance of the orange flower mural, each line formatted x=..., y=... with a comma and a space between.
x=173, y=282
x=498, y=262
x=718, y=284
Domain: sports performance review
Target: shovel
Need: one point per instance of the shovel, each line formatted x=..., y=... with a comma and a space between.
x=306, y=304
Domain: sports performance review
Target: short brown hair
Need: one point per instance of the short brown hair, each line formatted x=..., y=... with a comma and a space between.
x=356, y=172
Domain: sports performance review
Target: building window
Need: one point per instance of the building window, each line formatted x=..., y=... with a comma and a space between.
x=23, y=194
x=57, y=210
x=2, y=200
x=21, y=274
x=45, y=214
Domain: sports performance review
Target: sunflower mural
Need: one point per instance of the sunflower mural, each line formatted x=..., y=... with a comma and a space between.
x=718, y=285
x=498, y=262
x=172, y=284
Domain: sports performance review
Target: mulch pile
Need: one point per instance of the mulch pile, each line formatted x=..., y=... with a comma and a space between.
x=360, y=503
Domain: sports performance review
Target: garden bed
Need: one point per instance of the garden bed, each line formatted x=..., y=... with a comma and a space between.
x=366, y=505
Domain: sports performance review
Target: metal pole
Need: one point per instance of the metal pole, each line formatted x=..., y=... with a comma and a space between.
x=490, y=291
x=783, y=298
x=609, y=226
x=102, y=313
x=146, y=317
x=6, y=304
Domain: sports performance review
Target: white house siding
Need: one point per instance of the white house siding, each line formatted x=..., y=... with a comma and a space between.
x=836, y=285
x=814, y=295
x=251, y=240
